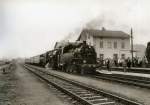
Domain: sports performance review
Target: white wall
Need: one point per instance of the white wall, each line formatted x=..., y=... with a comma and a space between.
x=108, y=52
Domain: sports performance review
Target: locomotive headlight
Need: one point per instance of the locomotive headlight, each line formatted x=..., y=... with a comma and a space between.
x=84, y=61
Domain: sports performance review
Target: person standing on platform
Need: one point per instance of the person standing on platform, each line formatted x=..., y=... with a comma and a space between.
x=4, y=71
x=108, y=64
x=124, y=65
x=128, y=63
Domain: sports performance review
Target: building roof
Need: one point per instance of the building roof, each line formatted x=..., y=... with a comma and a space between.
x=104, y=33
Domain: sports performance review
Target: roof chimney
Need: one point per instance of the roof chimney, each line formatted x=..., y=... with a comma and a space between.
x=103, y=29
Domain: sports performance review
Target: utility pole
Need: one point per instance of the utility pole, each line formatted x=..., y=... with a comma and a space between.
x=132, y=45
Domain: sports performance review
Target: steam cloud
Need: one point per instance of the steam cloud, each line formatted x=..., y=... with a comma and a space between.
x=107, y=20
x=103, y=20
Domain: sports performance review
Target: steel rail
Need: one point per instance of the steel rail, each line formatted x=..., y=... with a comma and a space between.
x=125, y=80
x=117, y=98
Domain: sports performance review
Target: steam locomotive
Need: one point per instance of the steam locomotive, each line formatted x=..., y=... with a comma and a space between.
x=75, y=57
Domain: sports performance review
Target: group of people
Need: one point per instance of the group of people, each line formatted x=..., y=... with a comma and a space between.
x=137, y=62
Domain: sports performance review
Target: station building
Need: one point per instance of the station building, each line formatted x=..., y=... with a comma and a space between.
x=107, y=43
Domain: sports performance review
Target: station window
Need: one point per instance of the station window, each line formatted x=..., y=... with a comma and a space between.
x=101, y=44
x=123, y=45
x=109, y=44
x=115, y=45
x=88, y=36
x=115, y=56
x=123, y=56
x=101, y=56
x=94, y=46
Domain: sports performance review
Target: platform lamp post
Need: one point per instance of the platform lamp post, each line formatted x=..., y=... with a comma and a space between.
x=132, y=46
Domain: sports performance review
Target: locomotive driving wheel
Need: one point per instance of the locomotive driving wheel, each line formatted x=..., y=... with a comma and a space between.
x=74, y=68
x=82, y=71
x=68, y=67
x=64, y=67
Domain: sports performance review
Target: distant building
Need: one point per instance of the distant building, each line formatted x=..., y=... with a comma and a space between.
x=140, y=50
x=108, y=44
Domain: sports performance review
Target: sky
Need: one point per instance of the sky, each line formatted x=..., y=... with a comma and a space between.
x=31, y=27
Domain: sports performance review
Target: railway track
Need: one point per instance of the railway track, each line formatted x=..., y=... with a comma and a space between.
x=125, y=79
x=131, y=80
x=84, y=94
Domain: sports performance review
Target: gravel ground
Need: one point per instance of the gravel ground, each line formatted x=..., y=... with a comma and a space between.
x=20, y=87
x=31, y=91
x=132, y=92
x=7, y=87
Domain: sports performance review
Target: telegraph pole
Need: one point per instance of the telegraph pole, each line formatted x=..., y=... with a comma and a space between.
x=132, y=45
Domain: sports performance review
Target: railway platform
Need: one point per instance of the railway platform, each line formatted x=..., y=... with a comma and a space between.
x=124, y=73
x=131, y=69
